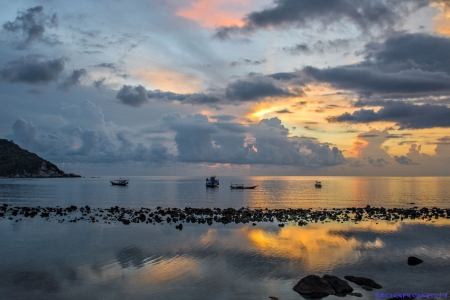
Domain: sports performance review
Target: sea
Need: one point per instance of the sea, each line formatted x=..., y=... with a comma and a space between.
x=44, y=258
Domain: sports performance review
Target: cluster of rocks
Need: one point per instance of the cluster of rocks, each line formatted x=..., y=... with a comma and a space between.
x=312, y=286
x=208, y=216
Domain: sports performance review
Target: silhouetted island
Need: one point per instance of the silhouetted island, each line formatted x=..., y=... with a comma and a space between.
x=16, y=162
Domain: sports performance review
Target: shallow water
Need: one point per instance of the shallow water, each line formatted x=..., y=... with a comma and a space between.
x=44, y=259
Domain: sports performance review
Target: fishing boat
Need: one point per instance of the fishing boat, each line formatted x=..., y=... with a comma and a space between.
x=122, y=182
x=318, y=184
x=242, y=187
x=212, y=182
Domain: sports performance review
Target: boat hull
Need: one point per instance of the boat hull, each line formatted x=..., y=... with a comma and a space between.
x=119, y=183
x=243, y=187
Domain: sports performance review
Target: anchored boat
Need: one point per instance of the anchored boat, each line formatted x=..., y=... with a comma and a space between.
x=242, y=187
x=212, y=182
x=122, y=182
x=318, y=184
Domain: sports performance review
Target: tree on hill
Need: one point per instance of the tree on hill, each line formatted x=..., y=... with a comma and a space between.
x=18, y=162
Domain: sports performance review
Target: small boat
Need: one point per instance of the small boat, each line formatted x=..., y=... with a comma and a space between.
x=122, y=182
x=318, y=184
x=242, y=187
x=212, y=182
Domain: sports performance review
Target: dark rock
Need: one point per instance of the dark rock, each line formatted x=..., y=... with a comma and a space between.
x=363, y=281
x=356, y=294
x=126, y=222
x=413, y=261
x=313, y=286
x=179, y=227
x=339, y=286
x=367, y=288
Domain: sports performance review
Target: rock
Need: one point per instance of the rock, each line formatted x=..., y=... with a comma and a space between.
x=363, y=281
x=314, y=286
x=339, y=286
x=367, y=288
x=356, y=294
x=413, y=261
x=179, y=227
x=273, y=298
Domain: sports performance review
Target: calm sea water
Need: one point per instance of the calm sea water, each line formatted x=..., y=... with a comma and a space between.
x=272, y=192
x=42, y=259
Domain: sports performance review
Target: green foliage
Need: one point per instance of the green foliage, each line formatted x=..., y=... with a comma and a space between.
x=17, y=161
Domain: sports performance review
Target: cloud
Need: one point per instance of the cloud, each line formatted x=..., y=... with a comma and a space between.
x=32, y=69
x=31, y=24
x=405, y=115
x=298, y=49
x=256, y=88
x=403, y=66
x=318, y=47
x=73, y=79
x=90, y=141
x=366, y=80
x=284, y=111
x=247, y=62
x=133, y=96
x=253, y=88
x=365, y=15
x=403, y=160
x=84, y=136
x=199, y=140
x=225, y=118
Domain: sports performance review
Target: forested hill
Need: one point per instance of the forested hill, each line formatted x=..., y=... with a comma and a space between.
x=17, y=162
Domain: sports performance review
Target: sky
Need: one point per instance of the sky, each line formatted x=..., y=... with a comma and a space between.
x=229, y=87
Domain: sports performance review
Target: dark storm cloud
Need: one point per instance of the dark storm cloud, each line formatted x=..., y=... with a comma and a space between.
x=225, y=118
x=73, y=79
x=284, y=111
x=247, y=62
x=32, y=69
x=403, y=160
x=283, y=76
x=133, y=96
x=408, y=65
x=31, y=24
x=106, y=65
x=99, y=83
x=366, y=80
x=410, y=51
x=196, y=98
x=364, y=14
x=405, y=115
x=298, y=49
x=319, y=46
x=255, y=88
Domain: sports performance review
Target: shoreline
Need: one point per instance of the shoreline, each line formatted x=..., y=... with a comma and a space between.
x=209, y=216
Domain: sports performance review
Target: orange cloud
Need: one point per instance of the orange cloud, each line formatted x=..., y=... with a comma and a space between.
x=215, y=13
x=442, y=21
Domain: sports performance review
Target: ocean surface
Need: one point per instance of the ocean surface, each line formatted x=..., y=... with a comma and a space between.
x=46, y=259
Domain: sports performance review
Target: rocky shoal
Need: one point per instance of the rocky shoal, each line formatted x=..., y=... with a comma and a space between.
x=217, y=215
